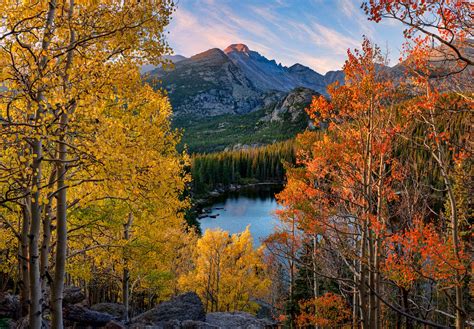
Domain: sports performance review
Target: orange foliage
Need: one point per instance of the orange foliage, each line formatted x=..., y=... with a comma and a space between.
x=446, y=23
x=327, y=311
x=421, y=252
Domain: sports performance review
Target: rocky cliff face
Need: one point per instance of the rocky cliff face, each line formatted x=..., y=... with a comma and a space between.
x=333, y=76
x=234, y=81
x=208, y=84
x=267, y=75
x=291, y=108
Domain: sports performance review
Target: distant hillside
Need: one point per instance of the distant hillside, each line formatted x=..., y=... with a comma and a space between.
x=149, y=67
x=207, y=84
x=276, y=121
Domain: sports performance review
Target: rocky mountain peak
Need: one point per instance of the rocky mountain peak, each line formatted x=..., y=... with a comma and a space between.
x=237, y=47
x=214, y=53
x=298, y=66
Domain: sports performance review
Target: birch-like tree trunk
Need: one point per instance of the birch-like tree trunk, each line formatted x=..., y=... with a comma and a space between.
x=36, y=297
x=126, y=271
x=61, y=209
x=24, y=257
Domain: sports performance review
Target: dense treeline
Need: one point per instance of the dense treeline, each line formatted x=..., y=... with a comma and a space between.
x=260, y=164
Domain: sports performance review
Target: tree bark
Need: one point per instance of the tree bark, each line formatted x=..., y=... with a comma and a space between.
x=61, y=208
x=438, y=155
x=315, y=276
x=24, y=258
x=61, y=232
x=126, y=272
x=45, y=244
x=36, y=298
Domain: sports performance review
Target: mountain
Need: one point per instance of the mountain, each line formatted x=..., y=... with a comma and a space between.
x=207, y=84
x=333, y=76
x=280, y=118
x=237, y=96
x=150, y=67
x=234, y=81
x=267, y=75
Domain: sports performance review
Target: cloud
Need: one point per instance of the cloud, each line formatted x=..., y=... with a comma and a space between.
x=190, y=35
x=316, y=33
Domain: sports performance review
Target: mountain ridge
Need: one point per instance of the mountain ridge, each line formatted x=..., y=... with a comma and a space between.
x=237, y=96
x=235, y=80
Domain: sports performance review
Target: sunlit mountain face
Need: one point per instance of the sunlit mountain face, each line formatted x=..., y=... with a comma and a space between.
x=235, y=80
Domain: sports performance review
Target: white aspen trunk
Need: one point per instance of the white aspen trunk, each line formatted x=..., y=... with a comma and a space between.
x=442, y=163
x=24, y=258
x=126, y=272
x=315, y=277
x=61, y=232
x=45, y=244
x=61, y=208
x=36, y=298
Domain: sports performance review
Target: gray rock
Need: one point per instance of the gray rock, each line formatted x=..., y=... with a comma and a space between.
x=237, y=320
x=333, y=76
x=267, y=75
x=73, y=295
x=184, y=307
x=114, y=309
x=9, y=306
x=234, y=81
x=115, y=325
x=24, y=323
x=292, y=107
x=196, y=325
x=84, y=316
x=207, y=84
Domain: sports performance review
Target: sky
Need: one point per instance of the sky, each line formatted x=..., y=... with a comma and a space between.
x=315, y=33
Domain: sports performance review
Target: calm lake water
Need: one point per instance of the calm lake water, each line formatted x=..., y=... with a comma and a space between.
x=234, y=211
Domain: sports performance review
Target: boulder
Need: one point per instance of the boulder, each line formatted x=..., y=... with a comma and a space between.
x=184, y=307
x=114, y=309
x=73, y=295
x=188, y=324
x=9, y=306
x=234, y=320
x=24, y=323
x=84, y=316
x=114, y=325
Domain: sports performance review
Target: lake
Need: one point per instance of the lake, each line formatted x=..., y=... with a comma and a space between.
x=233, y=211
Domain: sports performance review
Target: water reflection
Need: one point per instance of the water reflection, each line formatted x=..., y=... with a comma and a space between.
x=234, y=211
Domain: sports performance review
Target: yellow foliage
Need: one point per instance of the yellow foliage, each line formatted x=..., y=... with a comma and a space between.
x=229, y=274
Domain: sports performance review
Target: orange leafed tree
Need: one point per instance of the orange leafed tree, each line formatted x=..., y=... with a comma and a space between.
x=422, y=252
x=439, y=43
x=342, y=189
x=327, y=311
x=446, y=23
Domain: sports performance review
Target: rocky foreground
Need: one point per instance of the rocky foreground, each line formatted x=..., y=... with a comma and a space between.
x=183, y=311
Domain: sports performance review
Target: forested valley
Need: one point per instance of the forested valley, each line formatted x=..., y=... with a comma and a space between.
x=375, y=217
x=264, y=164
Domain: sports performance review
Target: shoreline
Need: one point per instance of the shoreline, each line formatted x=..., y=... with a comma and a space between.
x=204, y=200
